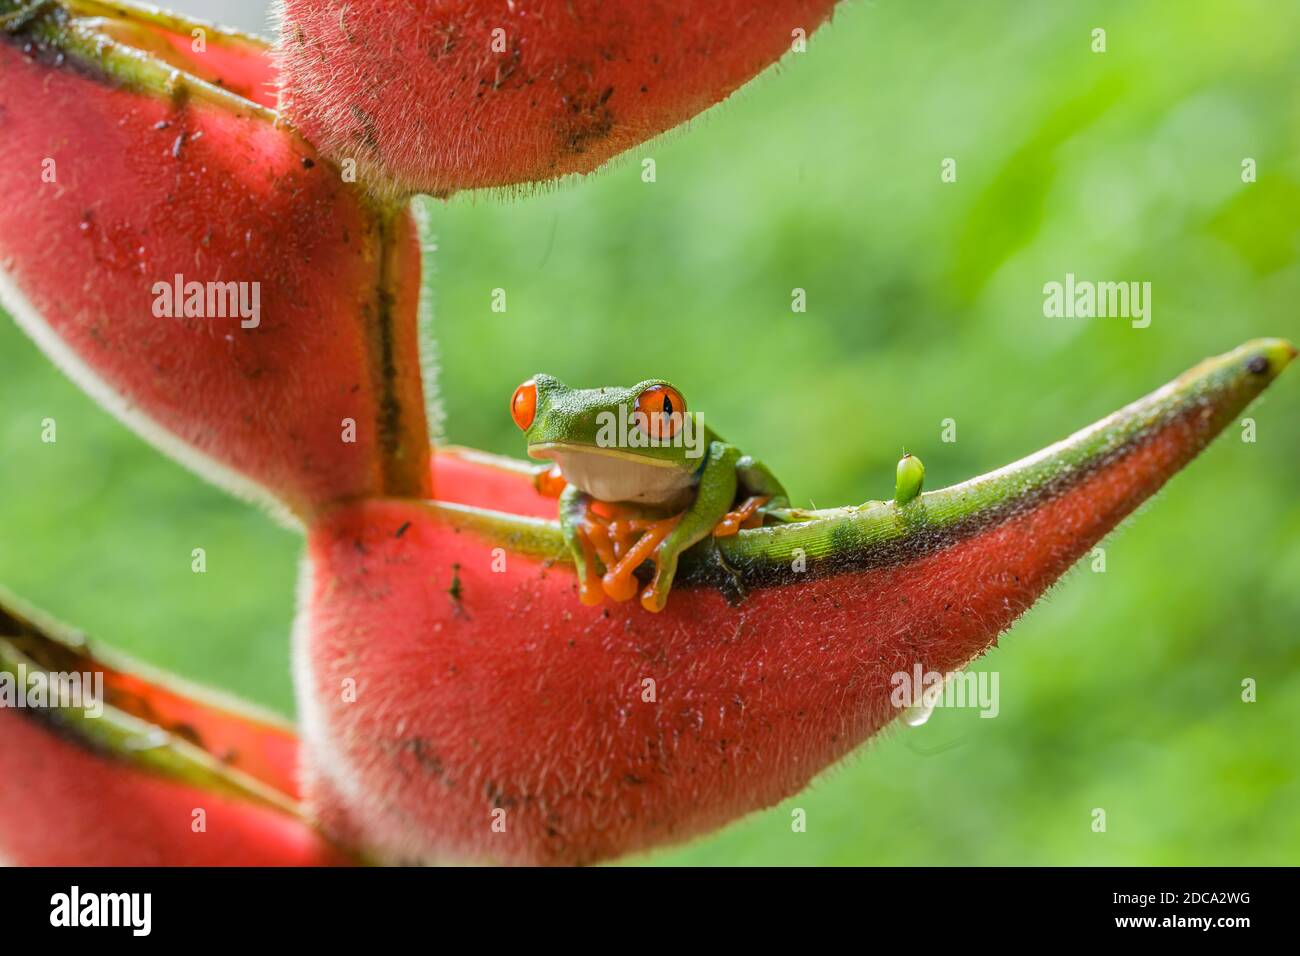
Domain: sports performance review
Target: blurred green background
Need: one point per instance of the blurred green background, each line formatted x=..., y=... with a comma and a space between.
x=1120, y=690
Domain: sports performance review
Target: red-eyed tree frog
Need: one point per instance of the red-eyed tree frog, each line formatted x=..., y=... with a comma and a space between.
x=639, y=477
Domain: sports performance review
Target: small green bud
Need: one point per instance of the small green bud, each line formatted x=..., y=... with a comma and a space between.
x=911, y=476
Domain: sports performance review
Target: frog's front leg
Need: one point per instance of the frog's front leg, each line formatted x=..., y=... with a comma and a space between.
x=713, y=498
x=586, y=541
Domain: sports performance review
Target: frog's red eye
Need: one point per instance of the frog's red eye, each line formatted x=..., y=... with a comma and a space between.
x=662, y=409
x=524, y=405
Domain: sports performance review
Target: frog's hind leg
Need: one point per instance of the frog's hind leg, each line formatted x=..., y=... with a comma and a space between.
x=756, y=480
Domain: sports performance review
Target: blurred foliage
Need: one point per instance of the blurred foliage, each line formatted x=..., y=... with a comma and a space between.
x=1121, y=690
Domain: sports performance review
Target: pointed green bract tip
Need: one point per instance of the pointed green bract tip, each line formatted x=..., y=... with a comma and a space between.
x=910, y=478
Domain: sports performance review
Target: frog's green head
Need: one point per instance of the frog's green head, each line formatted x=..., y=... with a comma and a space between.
x=617, y=444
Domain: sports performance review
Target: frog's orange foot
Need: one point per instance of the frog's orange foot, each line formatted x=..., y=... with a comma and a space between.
x=550, y=483
x=744, y=516
x=620, y=580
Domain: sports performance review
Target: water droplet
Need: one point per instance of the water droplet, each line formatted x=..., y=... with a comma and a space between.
x=918, y=714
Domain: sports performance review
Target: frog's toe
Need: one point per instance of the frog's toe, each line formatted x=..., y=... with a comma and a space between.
x=654, y=600
x=590, y=592
x=655, y=596
x=745, y=515
x=584, y=559
x=620, y=587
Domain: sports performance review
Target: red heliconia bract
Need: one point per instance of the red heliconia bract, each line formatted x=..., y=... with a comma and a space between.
x=117, y=198
x=456, y=700
x=63, y=804
x=138, y=772
x=436, y=96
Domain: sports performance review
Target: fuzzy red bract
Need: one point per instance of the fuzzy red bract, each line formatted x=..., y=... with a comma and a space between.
x=64, y=805
x=463, y=481
x=439, y=96
x=145, y=190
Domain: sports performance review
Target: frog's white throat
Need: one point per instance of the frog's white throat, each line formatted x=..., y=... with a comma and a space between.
x=612, y=475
